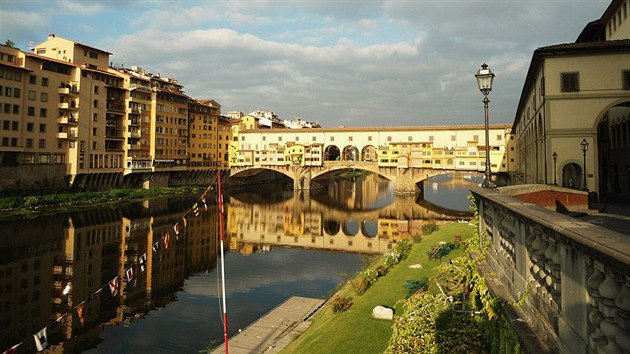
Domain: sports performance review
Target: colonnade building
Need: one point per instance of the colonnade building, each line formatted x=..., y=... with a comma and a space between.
x=575, y=105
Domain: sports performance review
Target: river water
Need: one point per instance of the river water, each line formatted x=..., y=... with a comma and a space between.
x=280, y=244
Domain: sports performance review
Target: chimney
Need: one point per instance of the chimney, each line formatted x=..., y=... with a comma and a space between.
x=51, y=36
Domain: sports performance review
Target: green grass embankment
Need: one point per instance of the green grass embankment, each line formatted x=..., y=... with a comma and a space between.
x=355, y=331
x=34, y=205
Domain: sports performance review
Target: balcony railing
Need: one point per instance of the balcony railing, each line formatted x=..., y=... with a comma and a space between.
x=71, y=135
x=113, y=106
x=139, y=87
x=68, y=105
x=67, y=120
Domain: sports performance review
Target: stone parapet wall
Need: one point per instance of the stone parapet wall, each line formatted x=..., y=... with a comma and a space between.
x=572, y=277
x=25, y=179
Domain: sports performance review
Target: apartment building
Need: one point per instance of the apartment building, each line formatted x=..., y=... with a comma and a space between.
x=70, y=117
x=203, y=120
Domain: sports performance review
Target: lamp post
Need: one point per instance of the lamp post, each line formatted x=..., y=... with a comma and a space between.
x=484, y=81
x=554, y=156
x=584, y=145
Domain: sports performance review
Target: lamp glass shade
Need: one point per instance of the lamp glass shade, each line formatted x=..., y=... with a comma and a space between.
x=484, y=79
x=584, y=145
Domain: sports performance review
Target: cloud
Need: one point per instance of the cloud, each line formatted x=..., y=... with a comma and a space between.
x=80, y=7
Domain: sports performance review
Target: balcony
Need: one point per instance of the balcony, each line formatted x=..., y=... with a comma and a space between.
x=67, y=120
x=115, y=106
x=71, y=135
x=139, y=87
x=68, y=105
x=68, y=89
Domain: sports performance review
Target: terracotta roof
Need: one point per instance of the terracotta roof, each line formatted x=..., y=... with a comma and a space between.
x=37, y=56
x=4, y=63
x=385, y=129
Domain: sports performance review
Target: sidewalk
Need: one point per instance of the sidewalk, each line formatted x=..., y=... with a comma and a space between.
x=614, y=217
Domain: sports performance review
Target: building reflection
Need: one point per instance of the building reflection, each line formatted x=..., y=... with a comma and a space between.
x=50, y=266
x=305, y=222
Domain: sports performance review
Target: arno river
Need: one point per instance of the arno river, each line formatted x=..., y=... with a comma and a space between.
x=55, y=270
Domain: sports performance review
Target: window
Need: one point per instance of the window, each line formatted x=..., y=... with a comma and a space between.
x=95, y=117
x=96, y=90
x=95, y=103
x=15, y=125
x=42, y=128
x=389, y=138
x=32, y=79
x=31, y=95
x=16, y=109
x=42, y=143
x=499, y=137
x=626, y=80
x=431, y=138
x=43, y=112
x=94, y=145
x=44, y=97
x=570, y=82
x=30, y=111
x=8, y=92
x=349, y=138
x=409, y=138
x=476, y=137
x=44, y=81
x=29, y=143
x=29, y=127
x=369, y=138
x=16, y=92
x=314, y=138
x=94, y=130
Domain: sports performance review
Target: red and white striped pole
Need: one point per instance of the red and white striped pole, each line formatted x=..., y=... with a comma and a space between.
x=220, y=200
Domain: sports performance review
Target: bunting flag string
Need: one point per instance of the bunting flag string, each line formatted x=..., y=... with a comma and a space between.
x=41, y=337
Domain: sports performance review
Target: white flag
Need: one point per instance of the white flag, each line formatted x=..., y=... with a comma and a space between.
x=143, y=261
x=129, y=273
x=40, y=340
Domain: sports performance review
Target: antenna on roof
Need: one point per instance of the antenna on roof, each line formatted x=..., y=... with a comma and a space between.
x=31, y=45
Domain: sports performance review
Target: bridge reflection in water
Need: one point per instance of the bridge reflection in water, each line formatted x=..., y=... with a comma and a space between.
x=356, y=215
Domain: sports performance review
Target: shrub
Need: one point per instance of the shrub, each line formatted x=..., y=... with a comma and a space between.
x=341, y=304
x=364, y=280
x=429, y=228
x=403, y=247
x=413, y=285
x=416, y=238
x=391, y=258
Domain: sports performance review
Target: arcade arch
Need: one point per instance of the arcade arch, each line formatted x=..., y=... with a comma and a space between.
x=350, y=153
x=331, y=153
x=369, y=154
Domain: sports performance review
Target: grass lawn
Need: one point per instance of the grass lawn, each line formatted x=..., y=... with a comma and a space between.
x=355, y=331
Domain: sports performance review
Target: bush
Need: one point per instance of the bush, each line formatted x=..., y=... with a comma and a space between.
x=403, y=247
x=341, y=304
x=429, y=228
x=440, y=251
x=416, y=238
x=413, y=285
x=364, y=280
x=391, y=258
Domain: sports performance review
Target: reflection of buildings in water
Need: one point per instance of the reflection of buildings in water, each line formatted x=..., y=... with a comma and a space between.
x=358, y=194
x=85, y=250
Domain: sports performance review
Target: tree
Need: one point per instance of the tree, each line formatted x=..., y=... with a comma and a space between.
x=9, y=43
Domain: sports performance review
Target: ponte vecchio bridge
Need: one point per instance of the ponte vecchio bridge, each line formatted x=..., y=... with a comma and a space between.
x=404, y=155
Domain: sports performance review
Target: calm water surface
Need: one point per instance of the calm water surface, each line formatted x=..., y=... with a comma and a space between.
x=280, y=244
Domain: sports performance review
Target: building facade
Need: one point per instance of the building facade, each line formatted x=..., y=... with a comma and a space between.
x=574, y=93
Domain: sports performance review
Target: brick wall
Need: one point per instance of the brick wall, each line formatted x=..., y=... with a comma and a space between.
x=553, y=199
x=32, y=179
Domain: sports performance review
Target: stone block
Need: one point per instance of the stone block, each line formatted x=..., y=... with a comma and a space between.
x=383, y=313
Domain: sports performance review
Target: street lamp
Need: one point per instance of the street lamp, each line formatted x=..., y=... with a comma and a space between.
x=484, y=81
x=555, y=174
x=584, y=145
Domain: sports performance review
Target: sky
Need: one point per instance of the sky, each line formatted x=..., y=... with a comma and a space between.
x=340, y=63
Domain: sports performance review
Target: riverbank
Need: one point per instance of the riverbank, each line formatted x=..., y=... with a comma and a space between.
x=31, y=206
x=354, y=330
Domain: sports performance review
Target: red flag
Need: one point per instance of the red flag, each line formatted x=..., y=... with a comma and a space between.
x=113, y=286
x=166, y=240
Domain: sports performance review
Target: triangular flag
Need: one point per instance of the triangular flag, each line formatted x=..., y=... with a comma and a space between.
x=156, y=246
x=196, y=209
x=41, y=341
x=166, y=240
x=185, y=218
x=129, y=274
x=81, y=312
x=203, y=200
x=113, y=286
x=176, y=228
x=143, y=261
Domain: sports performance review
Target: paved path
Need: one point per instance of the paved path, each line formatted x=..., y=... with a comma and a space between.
x=275, y=330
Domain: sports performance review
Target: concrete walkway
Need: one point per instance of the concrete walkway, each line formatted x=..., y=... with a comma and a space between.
x=275, y=330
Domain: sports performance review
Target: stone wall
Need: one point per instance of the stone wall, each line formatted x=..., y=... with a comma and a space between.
x=572, y=277
x=25, y=179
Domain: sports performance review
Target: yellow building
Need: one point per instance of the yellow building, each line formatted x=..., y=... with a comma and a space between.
x=203, y=122
x=576, y=94
x=225, y=142
x=169, y=115
x=137, y=125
